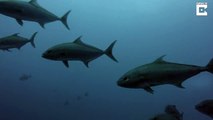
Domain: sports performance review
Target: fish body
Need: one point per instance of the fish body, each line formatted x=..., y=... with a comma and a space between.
x=15, y=41
x=76, y=51
x=25, y=77
x=160, y=72
x=30, y=11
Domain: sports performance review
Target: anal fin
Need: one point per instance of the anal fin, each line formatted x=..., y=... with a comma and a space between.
x=42, y=25
x=66, y=63
x=86, y=63
x=20, y=22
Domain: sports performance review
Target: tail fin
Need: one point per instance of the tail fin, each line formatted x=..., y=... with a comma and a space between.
x=108, y=51
x=64, y=19
x=210, y=66
x=32, y=39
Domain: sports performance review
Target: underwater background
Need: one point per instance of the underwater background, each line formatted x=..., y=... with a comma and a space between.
x=144, y=30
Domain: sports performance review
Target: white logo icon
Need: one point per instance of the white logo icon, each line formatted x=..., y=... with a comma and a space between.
x=201, y=9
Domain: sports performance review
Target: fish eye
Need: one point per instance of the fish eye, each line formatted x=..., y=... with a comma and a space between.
x=126, y=79
x=49, y=51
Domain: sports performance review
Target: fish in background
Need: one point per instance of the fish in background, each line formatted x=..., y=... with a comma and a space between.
x=171, y=113
x=25, y=77
x=205, y=107
x=30, y=11
x=86, y=94
x=77, y=50
x=161, y=72
x=15, y=41
x=78, y=98
x=66, y=103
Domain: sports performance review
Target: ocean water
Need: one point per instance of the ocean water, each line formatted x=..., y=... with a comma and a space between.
x=144, y=30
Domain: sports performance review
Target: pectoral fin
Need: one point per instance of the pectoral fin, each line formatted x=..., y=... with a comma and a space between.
x=66, y=63
x=179, y=85
x=18, y=48
x=20, y=22
x=149, y=89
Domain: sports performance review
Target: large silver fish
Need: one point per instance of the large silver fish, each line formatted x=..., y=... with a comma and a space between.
x=30, y=11
x=76, y=50
x=15, y=41
x=160, y=72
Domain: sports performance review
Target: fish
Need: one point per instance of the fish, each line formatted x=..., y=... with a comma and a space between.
x=160, y=72
x=30, y=11
x=171, y=113
x=15, y=41
x=66, y=103
x=172, y=110
x=77, y=50
x=86, y=94
x=164, y=117
x=78, y=97
x=25, y=77
x=205, y=107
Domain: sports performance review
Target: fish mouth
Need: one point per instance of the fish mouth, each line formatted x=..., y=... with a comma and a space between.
x=49, y=57
x=198, y=107
x=121, y=83
x=45, y=56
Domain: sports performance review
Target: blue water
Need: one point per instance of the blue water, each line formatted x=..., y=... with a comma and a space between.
x=144, y=30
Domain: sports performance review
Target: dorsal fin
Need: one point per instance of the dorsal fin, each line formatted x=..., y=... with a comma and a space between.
x=78, y=41
x=34, y=3
x=160, y=59
x=16, y=34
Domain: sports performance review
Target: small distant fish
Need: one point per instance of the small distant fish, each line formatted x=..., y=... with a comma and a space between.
x=86, y=94
x=66, y=103
x=30, y=11
x=79, y=98
x=160, y=72
x=172, y=110
x=164, y=117
x=25, y=77
x=76, y=50
x=205, y=107
x=171, y=113
x=15, y=41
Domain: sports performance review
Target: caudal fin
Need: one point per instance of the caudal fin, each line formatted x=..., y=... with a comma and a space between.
x=210, y=66
x=108, y=51
x=32, y=39
x=64, y=19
